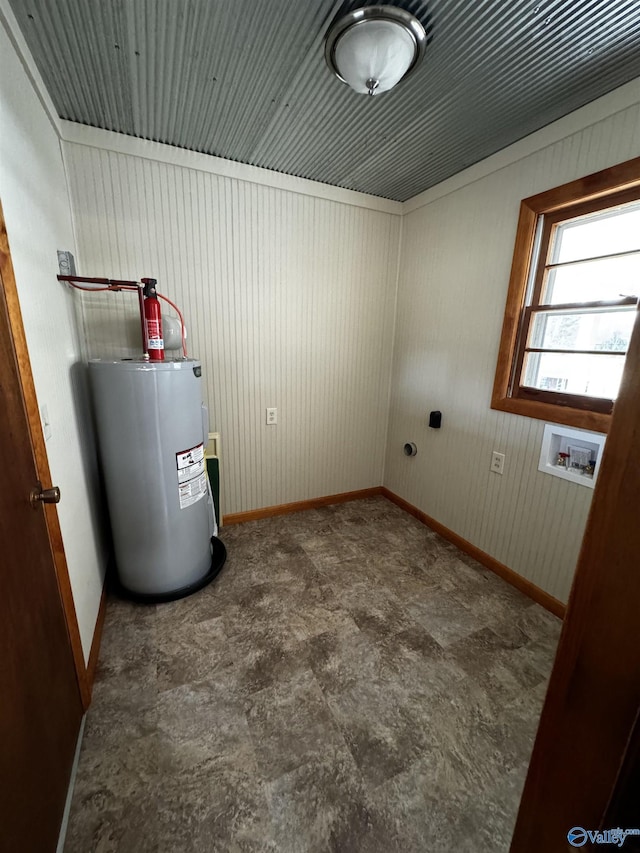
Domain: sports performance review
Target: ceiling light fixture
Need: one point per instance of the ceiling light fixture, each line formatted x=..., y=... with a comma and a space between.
x=374, y=48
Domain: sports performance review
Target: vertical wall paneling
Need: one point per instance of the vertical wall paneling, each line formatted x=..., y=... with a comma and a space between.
x=454, y=272
x=37, y=213
x=289, y=302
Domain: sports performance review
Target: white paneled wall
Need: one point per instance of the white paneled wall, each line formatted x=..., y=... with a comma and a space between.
x=34, y=197
x=289, y=301
x=456, y=257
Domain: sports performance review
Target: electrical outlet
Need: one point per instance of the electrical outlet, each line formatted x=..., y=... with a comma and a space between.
x=272, y=416
x=497, y=462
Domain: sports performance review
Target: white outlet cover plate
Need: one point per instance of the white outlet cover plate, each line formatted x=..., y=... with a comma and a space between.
x=497, y=462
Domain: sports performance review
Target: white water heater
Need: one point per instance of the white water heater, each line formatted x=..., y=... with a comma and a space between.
x=152, y=431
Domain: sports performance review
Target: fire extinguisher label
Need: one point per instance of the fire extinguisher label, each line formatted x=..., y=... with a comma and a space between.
x=192, y=479
x=154, y=337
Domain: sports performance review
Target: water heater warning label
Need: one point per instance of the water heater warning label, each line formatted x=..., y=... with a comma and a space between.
x=192, y=480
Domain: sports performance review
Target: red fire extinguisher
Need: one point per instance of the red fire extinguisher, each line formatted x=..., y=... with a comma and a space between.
x=153, y=320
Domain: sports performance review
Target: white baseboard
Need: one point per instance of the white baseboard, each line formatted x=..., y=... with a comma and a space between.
x=72, y=781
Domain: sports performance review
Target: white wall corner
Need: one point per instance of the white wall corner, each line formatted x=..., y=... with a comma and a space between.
x=10, y=23
x=394, y=342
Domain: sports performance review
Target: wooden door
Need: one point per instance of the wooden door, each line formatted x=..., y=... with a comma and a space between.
x=585, y=755
x=40, y=700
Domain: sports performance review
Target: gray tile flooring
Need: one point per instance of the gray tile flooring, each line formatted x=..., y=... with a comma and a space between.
x=351, y=682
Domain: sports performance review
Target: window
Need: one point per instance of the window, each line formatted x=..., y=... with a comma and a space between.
x=572, y=302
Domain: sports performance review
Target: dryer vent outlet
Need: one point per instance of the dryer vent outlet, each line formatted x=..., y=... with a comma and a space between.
x=410, y=449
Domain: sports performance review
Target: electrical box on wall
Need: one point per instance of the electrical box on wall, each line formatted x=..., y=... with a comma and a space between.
x=572, y=454
x=66, y=262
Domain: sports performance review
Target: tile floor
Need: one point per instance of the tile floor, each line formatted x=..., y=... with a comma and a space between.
x=350, y=682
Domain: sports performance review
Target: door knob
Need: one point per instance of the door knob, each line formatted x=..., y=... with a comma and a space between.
x=44, y=496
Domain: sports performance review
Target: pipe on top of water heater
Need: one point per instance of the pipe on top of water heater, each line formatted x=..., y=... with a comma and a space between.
x=116, y=285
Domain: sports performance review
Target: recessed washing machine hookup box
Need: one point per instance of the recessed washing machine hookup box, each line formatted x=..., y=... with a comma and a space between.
x=572, y=454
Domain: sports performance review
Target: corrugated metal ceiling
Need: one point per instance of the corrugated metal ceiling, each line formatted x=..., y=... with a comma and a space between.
x=247, y=80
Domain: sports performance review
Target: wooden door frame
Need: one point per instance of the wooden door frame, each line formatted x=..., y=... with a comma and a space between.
x=8, y=283
x=593, y=698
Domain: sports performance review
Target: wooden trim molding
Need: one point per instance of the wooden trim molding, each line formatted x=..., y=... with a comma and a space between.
x=299, y=506
x=520, y=268
x=535, y=593
x=578, y=418
x=615, y=179
x=624, y=177
x=94, y=654
x=42, y=463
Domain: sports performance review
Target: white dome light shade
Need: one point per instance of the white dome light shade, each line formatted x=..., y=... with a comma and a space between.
x=373, y=48
x=379, y=51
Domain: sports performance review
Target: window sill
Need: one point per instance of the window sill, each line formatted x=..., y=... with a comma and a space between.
x=594, y=421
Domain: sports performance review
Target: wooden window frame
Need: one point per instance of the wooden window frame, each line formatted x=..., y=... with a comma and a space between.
x=584, y=195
